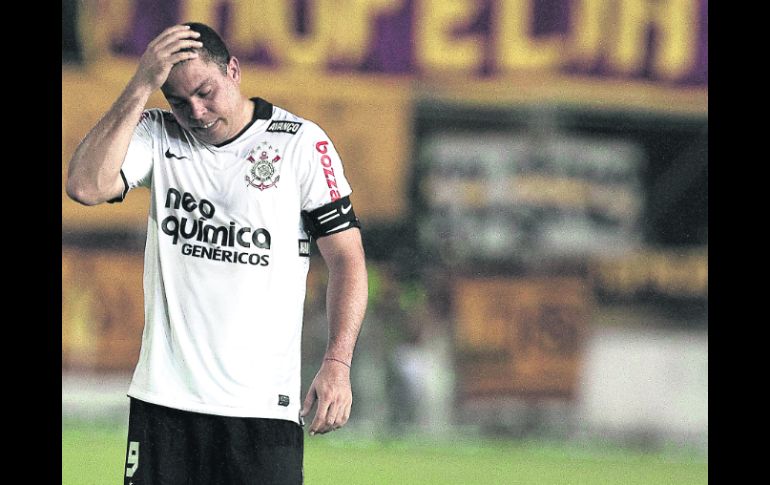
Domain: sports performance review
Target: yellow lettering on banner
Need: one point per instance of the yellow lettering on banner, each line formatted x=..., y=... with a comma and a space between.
x=589, y=20
x=436, y=46
x=675, y=24
x=248, y=29
x=629, y=40
x=202, y=11
x=100, y=23
x=272, y=24
x=517, y=48
x=310, y=49
x=352, y=36
x=677, y=38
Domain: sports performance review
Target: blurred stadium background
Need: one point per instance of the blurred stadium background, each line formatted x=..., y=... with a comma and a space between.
x=532, y=176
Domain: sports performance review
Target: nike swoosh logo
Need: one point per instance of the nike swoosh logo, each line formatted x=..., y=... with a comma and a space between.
x=345, y=210
x=171, y=155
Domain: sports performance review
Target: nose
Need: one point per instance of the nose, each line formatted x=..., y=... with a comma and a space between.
x=197, y=110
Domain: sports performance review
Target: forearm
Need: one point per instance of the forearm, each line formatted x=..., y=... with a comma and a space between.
x=346, y=297
x=94, y=170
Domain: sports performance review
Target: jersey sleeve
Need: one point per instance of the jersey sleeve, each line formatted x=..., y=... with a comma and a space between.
x=321, y=176
x=136, y=170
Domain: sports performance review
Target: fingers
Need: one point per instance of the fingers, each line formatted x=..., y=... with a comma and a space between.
x=338, y=415
x=167, y=48
x=178, y=42
x=331, y=414
x=172, y=40
x=310, y=399
x=182, y=56
x=171, y=34
x=345, y=415
x=163, y=52
x=331, y=391
x=319, y=426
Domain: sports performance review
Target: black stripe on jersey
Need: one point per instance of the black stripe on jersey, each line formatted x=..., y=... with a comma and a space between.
x=331, y=218
x=122, y=196
x=263, y=110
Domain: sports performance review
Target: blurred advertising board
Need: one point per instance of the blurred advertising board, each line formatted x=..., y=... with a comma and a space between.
x=652, y=273
x=517, y=197
x=102, y=309
x=520, y=337
x=663, y=42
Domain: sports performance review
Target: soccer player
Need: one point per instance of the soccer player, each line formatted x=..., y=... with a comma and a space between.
x=238, y=188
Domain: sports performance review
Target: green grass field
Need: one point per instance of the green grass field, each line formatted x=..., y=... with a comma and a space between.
x=94, y=455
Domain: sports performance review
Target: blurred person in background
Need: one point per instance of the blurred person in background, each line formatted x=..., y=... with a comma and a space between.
x=238, y=189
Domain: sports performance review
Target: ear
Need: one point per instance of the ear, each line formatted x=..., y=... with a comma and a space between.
x=234, y=69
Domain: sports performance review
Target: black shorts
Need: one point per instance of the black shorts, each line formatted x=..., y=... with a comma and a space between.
x=169, y=447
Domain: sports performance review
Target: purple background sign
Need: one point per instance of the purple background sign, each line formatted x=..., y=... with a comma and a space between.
x=392, y=46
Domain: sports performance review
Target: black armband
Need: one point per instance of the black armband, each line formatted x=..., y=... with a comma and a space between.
x=330, y=219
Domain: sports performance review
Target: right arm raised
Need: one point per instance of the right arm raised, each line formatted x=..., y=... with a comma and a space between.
x=93, y=175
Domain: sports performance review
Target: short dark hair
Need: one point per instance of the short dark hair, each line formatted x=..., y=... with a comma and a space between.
x=214, y=48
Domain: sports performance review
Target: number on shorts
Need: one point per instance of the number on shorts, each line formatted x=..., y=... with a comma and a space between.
x=132, y=460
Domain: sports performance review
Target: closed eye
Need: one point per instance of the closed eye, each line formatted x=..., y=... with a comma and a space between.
x=176, y=103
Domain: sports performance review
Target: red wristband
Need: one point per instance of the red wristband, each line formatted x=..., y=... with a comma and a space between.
x=338, y=360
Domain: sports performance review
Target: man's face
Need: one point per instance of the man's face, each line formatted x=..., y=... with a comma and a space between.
x=205, y=100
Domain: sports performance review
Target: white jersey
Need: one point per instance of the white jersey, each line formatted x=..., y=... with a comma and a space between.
x=226, y=260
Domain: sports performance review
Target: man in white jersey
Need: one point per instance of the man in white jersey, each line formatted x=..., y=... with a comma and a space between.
x=238, y=188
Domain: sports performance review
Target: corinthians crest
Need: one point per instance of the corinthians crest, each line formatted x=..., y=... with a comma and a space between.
x=265, y=164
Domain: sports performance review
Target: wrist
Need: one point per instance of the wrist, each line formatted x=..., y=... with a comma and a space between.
x=338, y=361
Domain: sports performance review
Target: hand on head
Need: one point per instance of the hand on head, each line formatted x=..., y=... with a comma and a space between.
x=173, y=45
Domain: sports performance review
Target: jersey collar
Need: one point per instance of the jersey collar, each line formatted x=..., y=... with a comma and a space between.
x=263, y=110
